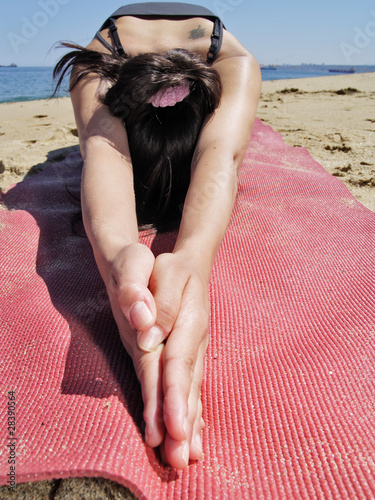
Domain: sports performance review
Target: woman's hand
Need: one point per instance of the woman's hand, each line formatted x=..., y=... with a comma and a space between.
x=181, y=296
x=167, y=294
x=131, y=271
x=133, y=307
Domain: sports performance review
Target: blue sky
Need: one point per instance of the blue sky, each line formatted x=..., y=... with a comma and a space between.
x=276, y=32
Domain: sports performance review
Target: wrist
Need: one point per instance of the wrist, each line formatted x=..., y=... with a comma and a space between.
x=107, y=254
x=198, y=260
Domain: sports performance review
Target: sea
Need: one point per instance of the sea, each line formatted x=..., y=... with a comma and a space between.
x=30, y=83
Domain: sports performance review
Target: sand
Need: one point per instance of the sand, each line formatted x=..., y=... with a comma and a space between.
x=33, y=134
x=333, y=117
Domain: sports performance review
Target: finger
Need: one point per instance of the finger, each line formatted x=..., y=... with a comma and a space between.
x=195, y=408
x=196, y=447
x=177, y=452
x=149, y=371
x=167, y=288
x=196, y=450
x=185, y=347
x=131, y=273
x=149, y=340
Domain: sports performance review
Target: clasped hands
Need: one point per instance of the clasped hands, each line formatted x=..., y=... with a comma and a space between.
x=161, y=309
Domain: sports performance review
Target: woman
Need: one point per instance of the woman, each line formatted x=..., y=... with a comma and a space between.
x=164, y=100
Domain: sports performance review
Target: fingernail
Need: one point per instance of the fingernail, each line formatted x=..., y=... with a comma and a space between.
x=149, y=341
x=140, y=315
x=203, y=423
x=185, y=453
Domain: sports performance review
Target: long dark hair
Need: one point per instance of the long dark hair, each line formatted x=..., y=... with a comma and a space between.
x=161, y=139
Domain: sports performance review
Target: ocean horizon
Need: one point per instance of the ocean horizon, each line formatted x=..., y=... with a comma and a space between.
x=29, y=83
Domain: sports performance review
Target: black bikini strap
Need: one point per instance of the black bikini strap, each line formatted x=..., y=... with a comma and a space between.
x=216, y=40
x=105, y=43
x=113, y=29
x=213, y=52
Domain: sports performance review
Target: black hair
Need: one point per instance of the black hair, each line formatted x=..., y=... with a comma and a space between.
x=162, y=140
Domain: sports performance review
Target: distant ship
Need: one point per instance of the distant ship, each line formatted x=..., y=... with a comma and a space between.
x=269, y=67
x=9, y=66
x=351, y=70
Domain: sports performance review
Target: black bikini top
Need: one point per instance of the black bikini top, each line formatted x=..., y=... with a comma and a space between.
x=162, y=10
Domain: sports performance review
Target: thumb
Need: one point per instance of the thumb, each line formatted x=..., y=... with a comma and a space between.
x=131, y=273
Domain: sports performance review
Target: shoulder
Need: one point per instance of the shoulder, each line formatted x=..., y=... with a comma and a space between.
x=237, y=67
x=231, y=47
x=234, y=57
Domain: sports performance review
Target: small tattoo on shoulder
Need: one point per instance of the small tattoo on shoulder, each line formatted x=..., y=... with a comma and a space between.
x=197, y=33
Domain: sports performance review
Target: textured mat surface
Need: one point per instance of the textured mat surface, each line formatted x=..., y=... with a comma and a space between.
x=289, y=391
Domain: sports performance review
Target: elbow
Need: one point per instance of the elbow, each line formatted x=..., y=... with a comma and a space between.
x=255, y=74
x=239, y=153
x=239, y=156
x=93, y=145
x=232, y=178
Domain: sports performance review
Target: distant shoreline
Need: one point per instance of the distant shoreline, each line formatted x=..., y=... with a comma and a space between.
x=31, y=83
x=370, y=68
x=281, y=65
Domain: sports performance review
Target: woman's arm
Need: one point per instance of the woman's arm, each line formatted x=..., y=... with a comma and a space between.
x=219, y=153
x=209, y=201
x=108, y=209
x=179, y=281
x=108, y=201
x=108, y=204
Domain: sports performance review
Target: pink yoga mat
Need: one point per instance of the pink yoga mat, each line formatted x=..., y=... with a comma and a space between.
x=289, y=391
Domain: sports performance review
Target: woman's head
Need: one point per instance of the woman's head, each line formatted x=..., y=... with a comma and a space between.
x=162, y=137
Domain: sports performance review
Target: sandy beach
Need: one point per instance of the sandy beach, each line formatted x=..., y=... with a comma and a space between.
x=333, y=117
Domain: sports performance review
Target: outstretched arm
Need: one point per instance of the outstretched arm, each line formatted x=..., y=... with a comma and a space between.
x=108, y=209
x=180, y=280
x=107, y=198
